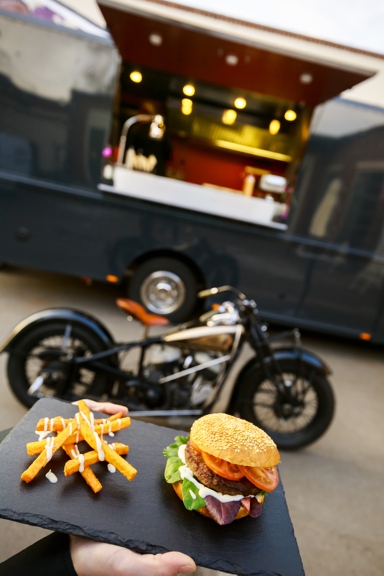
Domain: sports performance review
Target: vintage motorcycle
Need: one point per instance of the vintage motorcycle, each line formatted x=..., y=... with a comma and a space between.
x=69, y=354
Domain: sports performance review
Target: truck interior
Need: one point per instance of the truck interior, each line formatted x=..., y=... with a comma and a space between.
x=235, y=113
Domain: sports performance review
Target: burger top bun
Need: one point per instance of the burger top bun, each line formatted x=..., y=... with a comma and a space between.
x=234, y=440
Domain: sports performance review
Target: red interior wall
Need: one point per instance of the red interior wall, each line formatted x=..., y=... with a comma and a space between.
x=198, y=164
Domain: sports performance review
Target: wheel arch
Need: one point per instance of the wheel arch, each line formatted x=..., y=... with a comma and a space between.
x=167, y=253
x=47, y=316
x=309, y=359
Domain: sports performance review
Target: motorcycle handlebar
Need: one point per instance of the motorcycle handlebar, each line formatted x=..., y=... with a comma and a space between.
x=219, y=290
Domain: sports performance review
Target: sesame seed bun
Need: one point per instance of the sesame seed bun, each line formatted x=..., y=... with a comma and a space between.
x=177, y=486
x=235, y=440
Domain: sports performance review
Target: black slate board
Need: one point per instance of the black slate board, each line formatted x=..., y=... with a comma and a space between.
x=145, y=514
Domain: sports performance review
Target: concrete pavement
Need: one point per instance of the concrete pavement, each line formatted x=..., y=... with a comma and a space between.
x=333, y=488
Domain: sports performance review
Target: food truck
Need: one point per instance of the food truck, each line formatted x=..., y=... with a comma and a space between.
x=180, y=149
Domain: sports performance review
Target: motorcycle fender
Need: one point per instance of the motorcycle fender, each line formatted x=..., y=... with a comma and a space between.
x=48, y=316
x=308, y=358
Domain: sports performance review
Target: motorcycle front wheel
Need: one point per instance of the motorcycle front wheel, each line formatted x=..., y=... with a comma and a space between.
x=37, y=354
x=291, y=424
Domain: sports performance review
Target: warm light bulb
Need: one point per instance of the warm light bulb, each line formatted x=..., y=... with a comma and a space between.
x=189, y=90
x=290, y=115
x=186, y=106
x=274, y=127
x=229, y=116
x=240, y=103
x=136, y=76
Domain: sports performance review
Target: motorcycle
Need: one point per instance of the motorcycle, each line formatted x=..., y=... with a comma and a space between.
x=70, y=355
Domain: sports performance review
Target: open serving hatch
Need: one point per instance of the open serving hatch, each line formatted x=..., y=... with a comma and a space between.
x=237, y=100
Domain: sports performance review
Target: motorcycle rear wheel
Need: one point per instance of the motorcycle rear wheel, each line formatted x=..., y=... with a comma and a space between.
x=290, y=426
x=25, y=365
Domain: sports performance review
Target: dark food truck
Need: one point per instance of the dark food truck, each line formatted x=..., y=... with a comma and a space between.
x=180, y=150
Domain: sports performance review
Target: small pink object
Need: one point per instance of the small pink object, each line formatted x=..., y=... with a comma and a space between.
x=107, y=152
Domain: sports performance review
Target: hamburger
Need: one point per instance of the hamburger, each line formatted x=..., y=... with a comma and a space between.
x=224, y=468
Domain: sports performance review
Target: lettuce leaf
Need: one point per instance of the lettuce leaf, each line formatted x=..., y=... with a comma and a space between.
x=191, y=498
x=223, y=512
x=173, y=449
x=171, y=473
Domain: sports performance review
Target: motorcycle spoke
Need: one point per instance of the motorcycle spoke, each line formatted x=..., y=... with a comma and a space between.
x=264, y=406
x=49, y=350
x=67, y=334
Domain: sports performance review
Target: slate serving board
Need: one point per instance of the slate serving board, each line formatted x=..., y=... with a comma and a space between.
x=145, y=514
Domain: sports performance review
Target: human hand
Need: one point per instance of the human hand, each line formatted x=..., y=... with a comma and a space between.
x=106, y=407
x=92, y=558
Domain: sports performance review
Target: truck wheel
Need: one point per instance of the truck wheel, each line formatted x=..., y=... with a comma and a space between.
x=165, y=286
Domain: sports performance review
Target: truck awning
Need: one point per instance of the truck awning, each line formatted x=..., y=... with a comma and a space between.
x=214, y=49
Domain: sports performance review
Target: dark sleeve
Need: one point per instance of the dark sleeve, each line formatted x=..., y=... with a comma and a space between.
x=44, y=558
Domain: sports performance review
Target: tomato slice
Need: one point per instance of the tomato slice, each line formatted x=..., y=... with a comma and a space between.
x=195, y=447
x=264, y=478
x=222, y=468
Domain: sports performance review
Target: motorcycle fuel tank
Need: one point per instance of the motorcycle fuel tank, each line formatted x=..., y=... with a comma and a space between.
x=215, y=338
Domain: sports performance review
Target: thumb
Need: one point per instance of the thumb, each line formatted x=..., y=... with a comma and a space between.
x=168, y=564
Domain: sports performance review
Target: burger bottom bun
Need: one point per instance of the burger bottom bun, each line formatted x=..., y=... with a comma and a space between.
x=177, y=486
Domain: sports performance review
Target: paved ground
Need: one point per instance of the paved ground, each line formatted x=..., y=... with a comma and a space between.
x=334, y=488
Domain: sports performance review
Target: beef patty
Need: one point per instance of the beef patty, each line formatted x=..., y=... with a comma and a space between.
x=205, y=475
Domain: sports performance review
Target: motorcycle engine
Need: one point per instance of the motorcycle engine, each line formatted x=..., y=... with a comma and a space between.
x=189, y=391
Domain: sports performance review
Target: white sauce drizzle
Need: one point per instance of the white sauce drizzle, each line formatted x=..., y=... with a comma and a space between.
x=111, y=468
x=51, y=477
x=193, y=495
x=70, y=428
x=81, y=462
x=63, y=422
x=52, y=424
x=49, y=447
x=187, y=473
x=46, y=420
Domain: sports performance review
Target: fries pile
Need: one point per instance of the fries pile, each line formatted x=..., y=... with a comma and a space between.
x=70, y=432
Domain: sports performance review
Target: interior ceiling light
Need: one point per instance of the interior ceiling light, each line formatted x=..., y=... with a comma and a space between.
x=229, y=116
x=290, y=115
x=186, y=106
x=136, y=76
x=274, y=127
x=189, y=90
x=240, y=103
x=306, y=78
x=155, y=39
x=231, y=59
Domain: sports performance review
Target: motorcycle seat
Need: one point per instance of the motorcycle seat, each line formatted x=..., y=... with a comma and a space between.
x=139, y=313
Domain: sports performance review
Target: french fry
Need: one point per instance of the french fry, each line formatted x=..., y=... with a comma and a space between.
x=90, y=458
x=103, y=450
x=58, y=423
x=35, y=448
x=45, y=456
x=109, y=419
x=88, y=474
